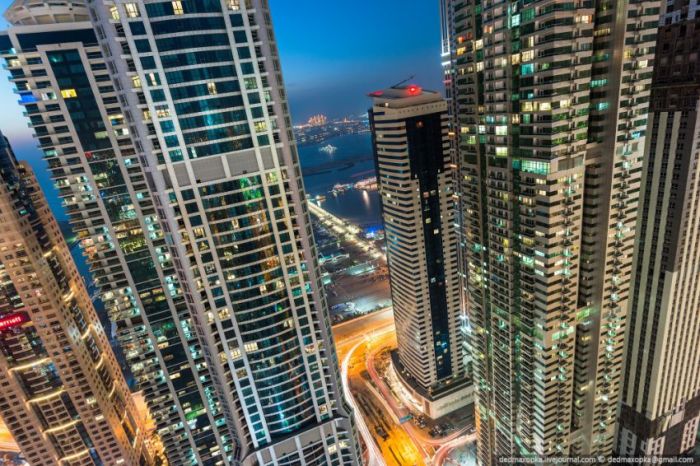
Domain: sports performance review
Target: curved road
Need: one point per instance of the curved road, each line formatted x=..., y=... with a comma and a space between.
x=375, y=455
x=400, y=411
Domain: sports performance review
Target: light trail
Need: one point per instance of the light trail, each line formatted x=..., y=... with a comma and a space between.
x=445, y=450
x=375, y=455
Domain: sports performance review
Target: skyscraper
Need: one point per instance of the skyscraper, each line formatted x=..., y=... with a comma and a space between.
x=550, y=119
x=411, y=148
x=661, y=394
x=166, y=127
x=62, y=394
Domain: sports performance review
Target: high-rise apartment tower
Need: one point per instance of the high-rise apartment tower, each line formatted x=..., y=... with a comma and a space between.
x=166, y=129
x=660, y=408
x=62, y=393
x=550, y=120
x=412, y=156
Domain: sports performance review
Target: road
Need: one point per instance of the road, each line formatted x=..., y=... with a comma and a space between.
x=358, y=342
x=348, y=332
x=388, y=444
x=350, y=231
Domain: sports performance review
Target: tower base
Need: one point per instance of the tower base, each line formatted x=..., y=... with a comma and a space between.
x=434, y=404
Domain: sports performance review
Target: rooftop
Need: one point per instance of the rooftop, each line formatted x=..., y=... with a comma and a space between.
x=33, y=12
x=404, y=96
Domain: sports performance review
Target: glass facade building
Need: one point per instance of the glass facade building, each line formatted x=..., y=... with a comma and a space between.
x=550, y=103
x=62, y=393
x=166, y=127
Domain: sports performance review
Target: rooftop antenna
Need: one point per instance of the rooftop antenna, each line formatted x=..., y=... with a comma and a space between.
x=402, y=82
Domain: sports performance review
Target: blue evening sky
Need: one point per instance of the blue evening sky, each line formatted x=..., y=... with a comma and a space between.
x=333, y=53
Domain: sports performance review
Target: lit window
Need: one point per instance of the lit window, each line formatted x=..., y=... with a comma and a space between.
x=162, y=111
x=501, y=152
x=251, y=83
x=177, y=8
x=132, y=10
x=68, y=93
x=260, y=126
x=234, y=5
x=211, y=87
x=136, y=81
x=501, y=130
x=114, y=12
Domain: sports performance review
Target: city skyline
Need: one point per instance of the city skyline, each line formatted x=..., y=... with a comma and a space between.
x=498, y=265
x=336, y=78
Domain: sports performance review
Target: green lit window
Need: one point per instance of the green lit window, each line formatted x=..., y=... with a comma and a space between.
x=515, y=21
x=531, y=166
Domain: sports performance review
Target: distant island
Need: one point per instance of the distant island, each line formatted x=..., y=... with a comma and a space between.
x=319, y=130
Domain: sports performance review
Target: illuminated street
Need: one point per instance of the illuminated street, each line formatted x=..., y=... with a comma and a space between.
x=358, y=343
x=348, y=230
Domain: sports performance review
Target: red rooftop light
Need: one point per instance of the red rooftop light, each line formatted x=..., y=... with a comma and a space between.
x=376, y=94
x=413, y=89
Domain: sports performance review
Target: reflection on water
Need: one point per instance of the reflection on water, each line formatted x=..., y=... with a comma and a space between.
x=365, y=198
x=350, y=163
x=359, y=207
